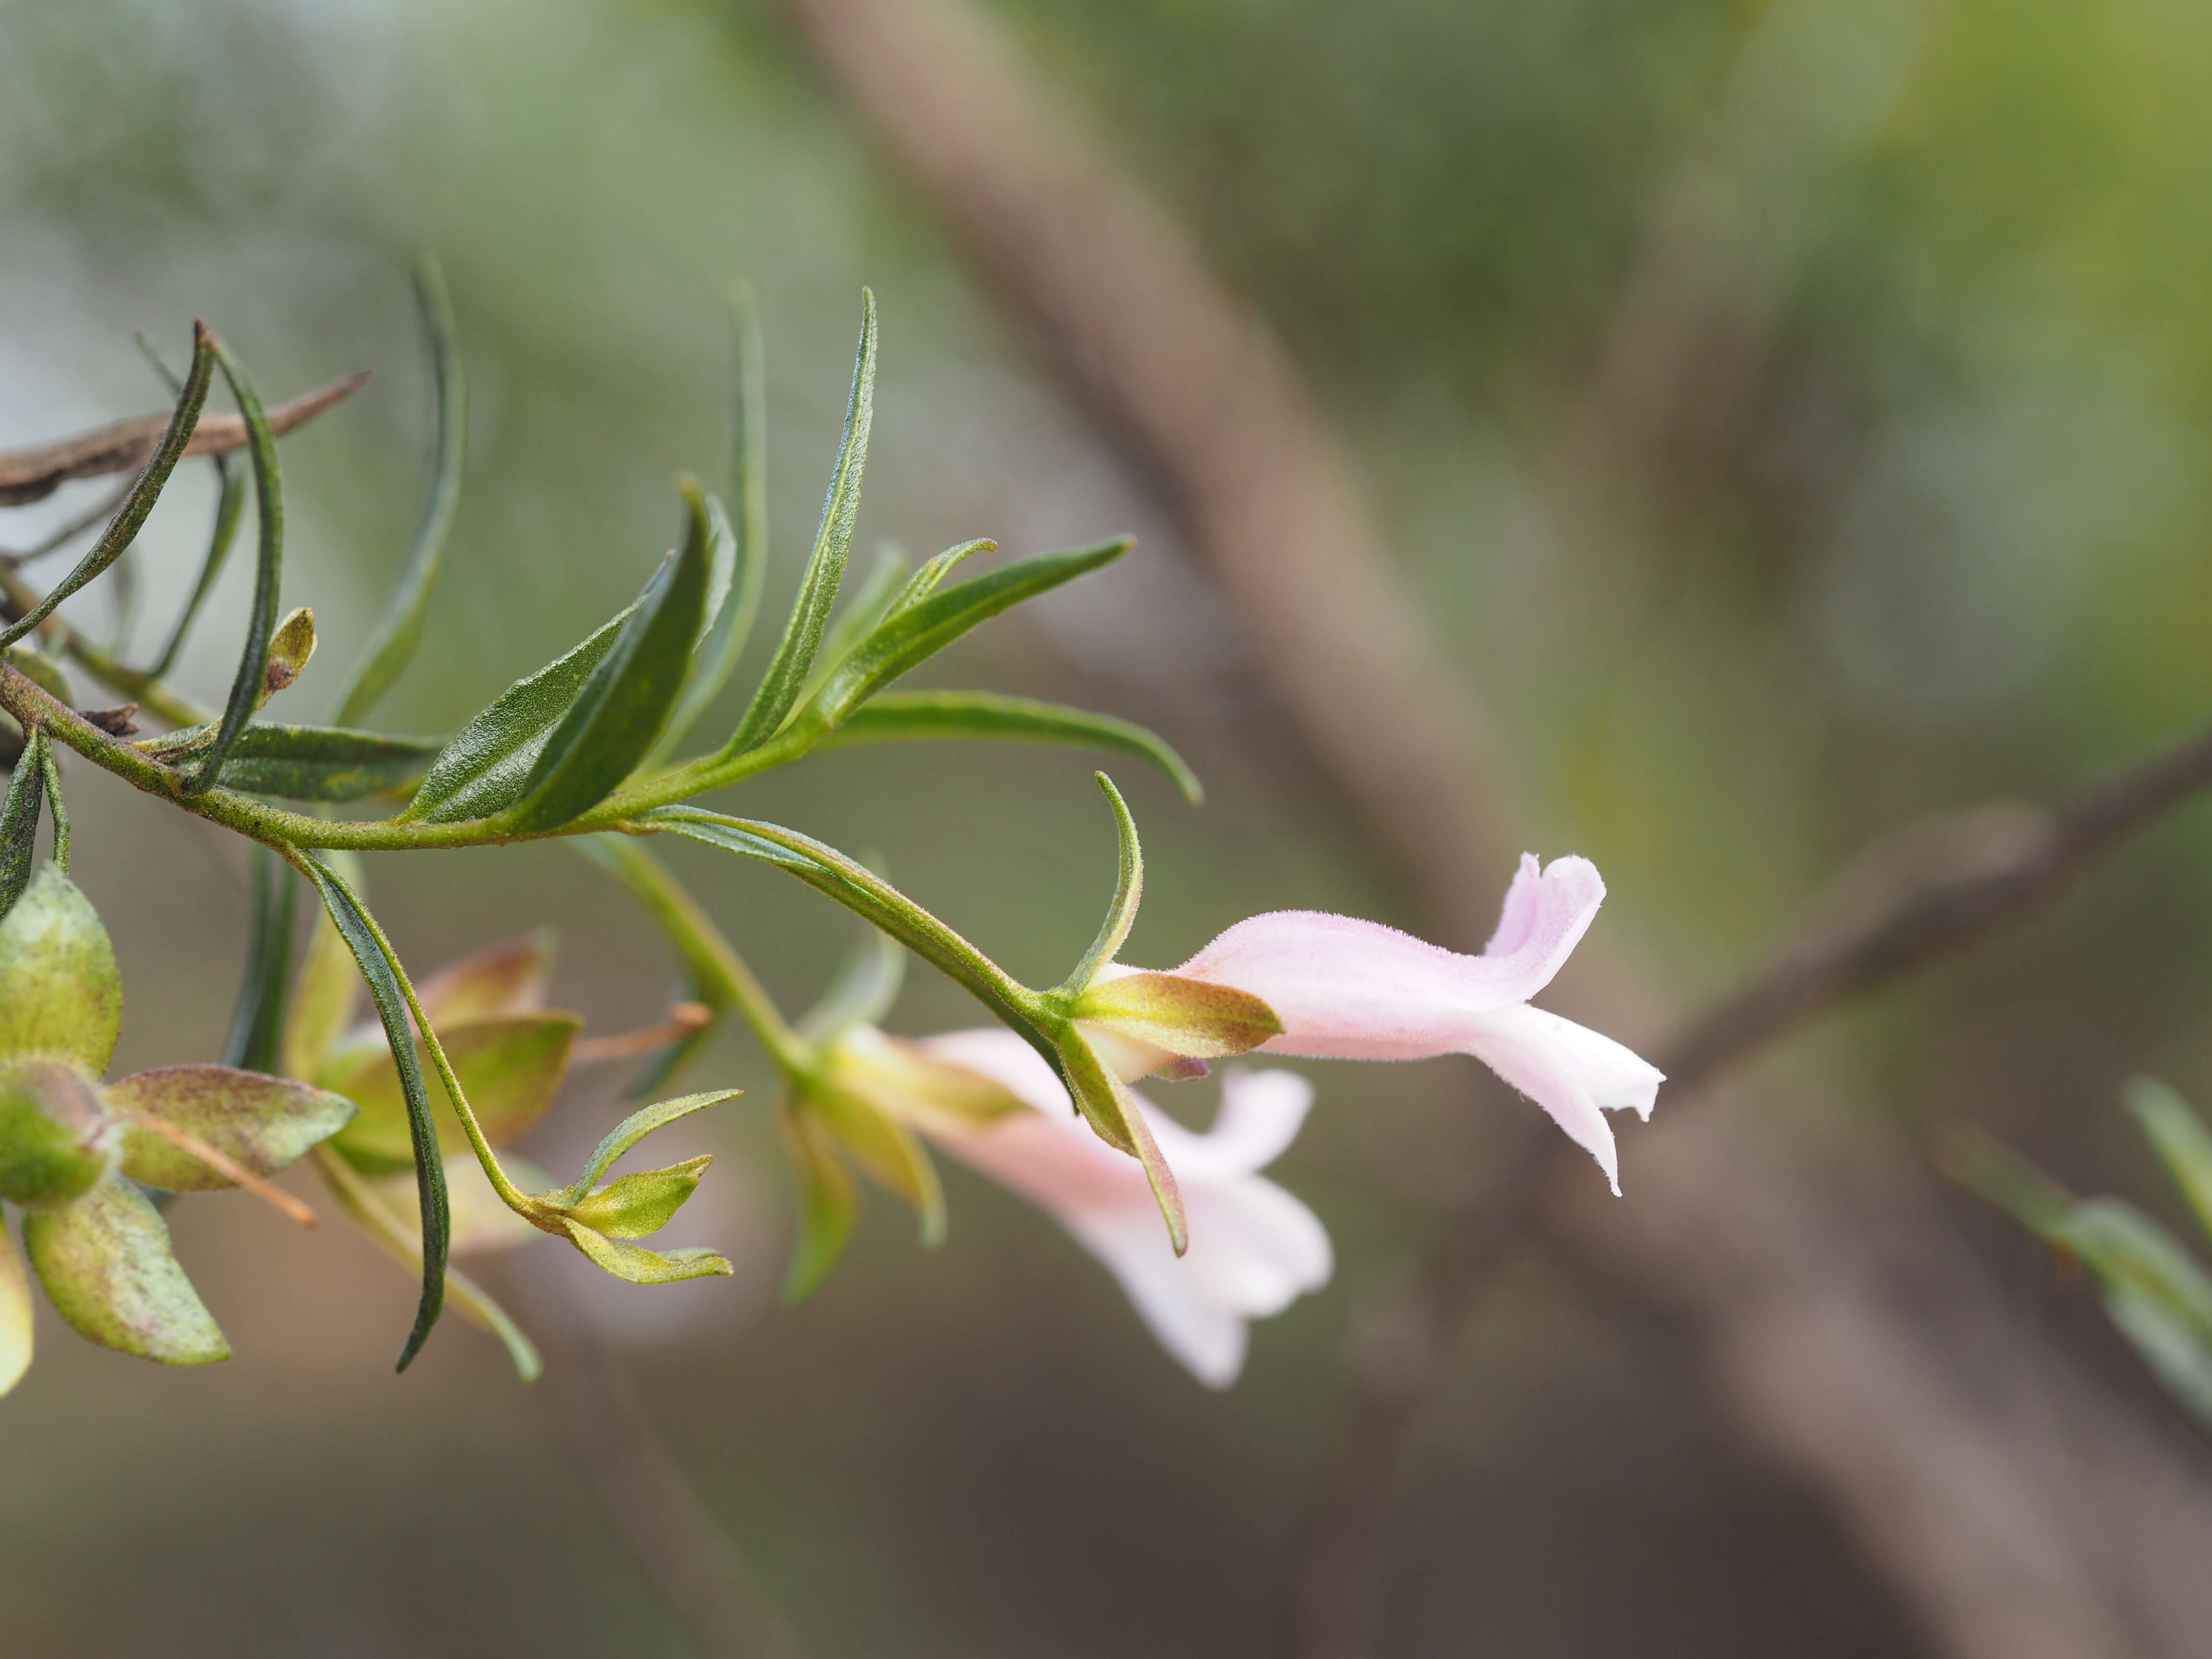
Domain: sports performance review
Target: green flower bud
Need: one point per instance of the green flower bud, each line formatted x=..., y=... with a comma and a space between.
x=57, y=1141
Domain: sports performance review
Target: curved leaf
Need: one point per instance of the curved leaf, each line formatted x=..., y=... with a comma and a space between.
x=631, y=1130
x=60, y=994
x=19, y=820
x=401, y=631
x=618, y=715
x=910, y=716
x=793, y=661
x=640, y=1266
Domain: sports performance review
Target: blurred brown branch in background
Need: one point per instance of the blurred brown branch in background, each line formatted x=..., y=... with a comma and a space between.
x=1978, y=1508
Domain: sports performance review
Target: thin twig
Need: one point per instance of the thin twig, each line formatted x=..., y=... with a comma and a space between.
x=31, y=474
x=683, y=1019
x=226, y=1166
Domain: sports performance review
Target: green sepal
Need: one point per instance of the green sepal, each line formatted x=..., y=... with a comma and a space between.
x=401, y=631
x=828, y=1203
x=249, y=687
x=366, y=943
x=483, y=767
x=909, y=636
x=1112, y=1111
x=793, y=662
x=986, y=716
x=618, y=714
x=358, y=1199
x=634, y=1206
x=108, y=1267
x=1189, y=1017
x=15, y=1324
x=2182, y=1142
x=886, y=1149
x=511, y=1068
x=57, y=1141
x=263, y=1123
x=640, y=1266
x=510, y=977
x=631, y=1130
x=19, y=820
x=60, y=994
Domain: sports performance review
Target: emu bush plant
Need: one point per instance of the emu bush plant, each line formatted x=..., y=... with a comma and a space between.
x=595, y=748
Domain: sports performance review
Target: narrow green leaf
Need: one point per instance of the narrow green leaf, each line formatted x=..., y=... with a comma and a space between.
x=357, y=1198
x=912, y=635
x=322, y=1000
x=380, y=967
x=325, y=763
x=828, y=1203
x=863, y=612
x=1979, y=1161
x=401, y=631
x=631, y=1130
x=927, y=579
x=265, y=1123
x=60, y=995
x=910, y=716
x=123, y=529
x=2181, y=1140
x=108, y=1269
x=257, y=1021
x=230, y=508
x=793, y=661
x=734, y=603
x=50, y=773
x=14, y=1314
x=249, y=687
x=1128, y=894
x=19, y=820
x=2177, y=1350
x=617, y=716
x=483, y=768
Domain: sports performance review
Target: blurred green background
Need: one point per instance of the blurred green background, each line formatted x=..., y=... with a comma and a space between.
x=1891, y=319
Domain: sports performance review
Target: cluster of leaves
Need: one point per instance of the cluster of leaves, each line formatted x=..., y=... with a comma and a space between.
x=2157, y=1292
x=590, y=746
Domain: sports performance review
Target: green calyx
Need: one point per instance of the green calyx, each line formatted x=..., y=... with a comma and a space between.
x=57, y=1141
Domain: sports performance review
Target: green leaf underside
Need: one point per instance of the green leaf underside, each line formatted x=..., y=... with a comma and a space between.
x=264, y=1122
x=14, y=1314
x=325, y=763
x=907, y=637
x=1128, y=894
x=510, y=1067
x=631, y=1130
x=484, y=768
x=910, y=716
x=793, y=661
x=401, y=631
x=618, y=714
x=828, y=1204
x=249, y=687
x=398, y=1240
x=19, y=821
x=108, y=1267
x=123, y=528
x=1187, y=1016
x=60, y=994
x=640, y=1266
x=362, y=939
x=2180, y=1139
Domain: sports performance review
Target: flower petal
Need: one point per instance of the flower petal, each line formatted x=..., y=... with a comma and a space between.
x=1346, y=989
x=1569, y=1070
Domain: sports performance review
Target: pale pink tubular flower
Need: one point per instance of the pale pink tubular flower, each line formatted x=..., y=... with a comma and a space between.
x=1346, y=989
x=1254, y=1247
